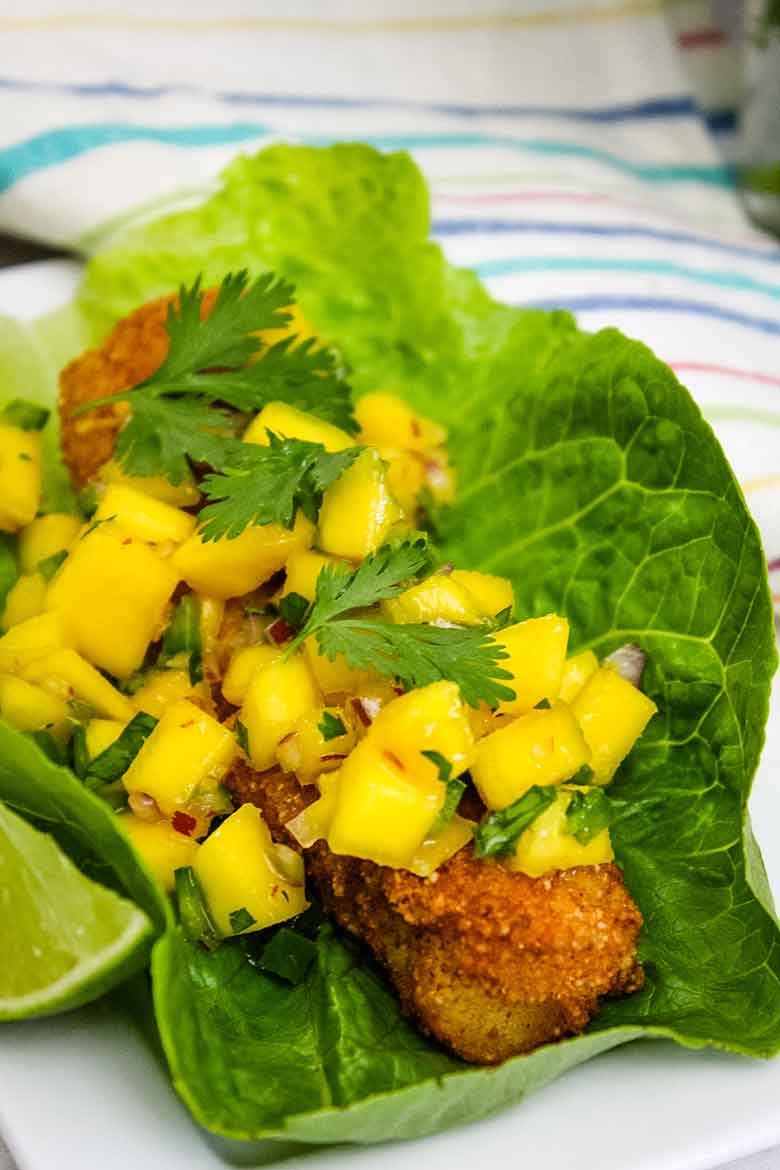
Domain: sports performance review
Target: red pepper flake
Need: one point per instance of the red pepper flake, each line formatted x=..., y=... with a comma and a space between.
x=189, y=723
x=326, y=759
x=361, y=712
x=416, y=428
x=128, y=540
x=183, y=823
x=393, y=759
x=285, y=895
x=279, y=631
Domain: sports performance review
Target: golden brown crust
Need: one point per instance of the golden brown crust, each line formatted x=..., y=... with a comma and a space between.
x=491, y=963
x=132, y=351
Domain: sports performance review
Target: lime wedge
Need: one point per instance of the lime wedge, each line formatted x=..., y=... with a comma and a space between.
x=64, y=939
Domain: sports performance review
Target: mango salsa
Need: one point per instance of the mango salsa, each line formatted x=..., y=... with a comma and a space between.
x=492, y=594
x=383, y=812
x=576, y=672
x=276, y=698
x=244, y=664
x=612, y=714
x=113, y=591
x=231, y=567
x=307, y=751
x=20, y=476
x=26, y=599
x=66, y=674
x=160, y=846
x=32, y=708
x=241, y=869
x=31, y=639
x=291, y=423
x=358, y=510
x=179, y=495
x=143, y=516
x=302, y=571
x=386, y=420
x=45, y=536
x=430, y=719
x=541, y=747
x=436, y=599
x=547, y=845
x=101, y=733
x=537, y=651
x=182, y=762
x=164, y=687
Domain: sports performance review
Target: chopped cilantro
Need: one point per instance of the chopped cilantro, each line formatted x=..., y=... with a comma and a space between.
x=242, y=736
x=241, y=920
x=28, y=416
x=331, y=726
x=588, y=813
x=293, y=609
x=499, y=831
x=49, y=565
x=543, y=705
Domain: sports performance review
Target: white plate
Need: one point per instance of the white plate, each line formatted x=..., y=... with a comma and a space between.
x=84, y=1091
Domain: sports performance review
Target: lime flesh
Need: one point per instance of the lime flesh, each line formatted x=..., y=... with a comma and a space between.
x=64, y=939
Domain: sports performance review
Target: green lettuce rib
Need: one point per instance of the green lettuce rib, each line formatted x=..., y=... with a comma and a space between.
x=588, y=476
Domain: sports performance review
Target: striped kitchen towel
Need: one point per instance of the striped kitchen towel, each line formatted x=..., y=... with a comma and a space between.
x=574, y=148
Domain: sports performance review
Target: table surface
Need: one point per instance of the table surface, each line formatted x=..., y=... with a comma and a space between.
x=13, y=251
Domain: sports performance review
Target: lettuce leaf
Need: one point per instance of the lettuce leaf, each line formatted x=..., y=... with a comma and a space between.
x=588, y=476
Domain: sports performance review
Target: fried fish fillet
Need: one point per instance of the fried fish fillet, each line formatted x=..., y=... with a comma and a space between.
x=490, y=963
x=133, y=350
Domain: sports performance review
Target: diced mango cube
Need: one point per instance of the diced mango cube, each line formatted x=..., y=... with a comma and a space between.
x=67, y=674
x=436, y=850
x=546, y=845
x=31, y=708
x=313, y=823
x=405, y=476
x=542, y=747
x=212, y=614
x=383, y=812
x=160, y=846
x=101, y=733
x=303, y=569
x=612, y=714
x=31, y=639
x=291, y=423
x=278, y=695
x=183, y=761
x=113, y=591
x=244, y=664
x=440, y=477
x=20, y=477
x=358, y=510
x=229, y=568
x=306, y=751
x=492, y=594
x=45, y=536
x=333, y=677
x=178, y=495
x=429, y=719
x=385, y=419
x=537, y=651
x=437, y=598
x=576, y=672
x=164, y=687
x=26, y=599
x=240, y=868
x=143, y=516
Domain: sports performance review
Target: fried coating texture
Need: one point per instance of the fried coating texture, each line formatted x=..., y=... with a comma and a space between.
x=133, y=350
x=490, y=963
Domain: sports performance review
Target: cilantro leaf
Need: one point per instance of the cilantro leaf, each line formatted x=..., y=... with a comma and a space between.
x=293, y=608
x=216, y=361
x=183, y=636
x=268, y=484
x=382, y=575
x=454, y=789
x=498, y=832
x=228, y=336
x=415, y=654
x=587, y=814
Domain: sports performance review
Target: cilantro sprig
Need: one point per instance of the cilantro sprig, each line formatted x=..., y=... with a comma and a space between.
x=268, y=484
x=217, y=364
x=416, y=655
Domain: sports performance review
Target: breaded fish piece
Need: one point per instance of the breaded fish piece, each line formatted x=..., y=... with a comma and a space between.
x=133, y=350
x=491, y=963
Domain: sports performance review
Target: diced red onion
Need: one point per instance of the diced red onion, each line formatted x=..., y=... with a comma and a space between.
x=183, y=823
x=279, y=631
x=144, y=806
x=629, y=661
